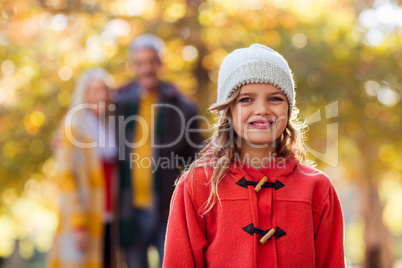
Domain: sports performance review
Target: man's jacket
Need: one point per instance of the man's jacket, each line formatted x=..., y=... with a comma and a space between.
x=175, y=146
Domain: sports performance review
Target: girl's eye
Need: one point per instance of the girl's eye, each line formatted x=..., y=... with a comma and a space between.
x=276, y=99
x=245, y=100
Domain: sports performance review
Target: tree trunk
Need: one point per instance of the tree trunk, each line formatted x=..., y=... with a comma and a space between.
x=377, y=238
x=15, y=260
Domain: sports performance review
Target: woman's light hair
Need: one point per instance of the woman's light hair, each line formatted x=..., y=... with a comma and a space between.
x=79, y=97
x=223, y=145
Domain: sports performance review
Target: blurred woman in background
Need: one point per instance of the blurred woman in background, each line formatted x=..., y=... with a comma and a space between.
x=86, y=154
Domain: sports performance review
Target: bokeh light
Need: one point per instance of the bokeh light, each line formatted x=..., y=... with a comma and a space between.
x=8, y=67
x=65, y=73
x=371, y=87
x=387, y=96
x=189, y=53
x=59, y=22
x=299, y=40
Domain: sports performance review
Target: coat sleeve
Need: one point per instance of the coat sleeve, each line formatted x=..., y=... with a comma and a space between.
x=186, y=236
x=329, y=235
x=71, y=203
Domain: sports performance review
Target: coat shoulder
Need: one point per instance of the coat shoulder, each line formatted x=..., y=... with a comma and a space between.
x=197, y=176
x=184, y=102
x=125, y=92
x=197, y=184
x=311, y=173
x=319, y=182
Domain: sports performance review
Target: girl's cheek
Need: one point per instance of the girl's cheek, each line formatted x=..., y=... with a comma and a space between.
x=237, y=128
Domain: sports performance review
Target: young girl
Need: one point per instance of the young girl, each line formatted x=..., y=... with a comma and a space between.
x=249, y=201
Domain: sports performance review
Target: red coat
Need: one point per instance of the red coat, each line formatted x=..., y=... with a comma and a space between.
x=299, y=202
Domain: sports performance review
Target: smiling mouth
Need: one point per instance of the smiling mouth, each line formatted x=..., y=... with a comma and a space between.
x=263, y=124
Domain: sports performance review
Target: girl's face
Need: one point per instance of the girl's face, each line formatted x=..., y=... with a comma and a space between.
x=259, y=114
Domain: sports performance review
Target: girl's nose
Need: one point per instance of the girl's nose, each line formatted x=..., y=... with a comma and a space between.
x=261, y=109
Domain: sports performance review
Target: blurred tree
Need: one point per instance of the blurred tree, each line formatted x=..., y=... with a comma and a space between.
x=346, y=51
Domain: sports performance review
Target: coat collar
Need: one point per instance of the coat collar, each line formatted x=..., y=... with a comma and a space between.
x=276, y=168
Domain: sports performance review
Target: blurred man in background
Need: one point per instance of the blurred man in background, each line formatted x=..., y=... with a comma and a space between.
x=153, y=148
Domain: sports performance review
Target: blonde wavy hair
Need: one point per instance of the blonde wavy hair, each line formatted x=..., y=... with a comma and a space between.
x=220, y=149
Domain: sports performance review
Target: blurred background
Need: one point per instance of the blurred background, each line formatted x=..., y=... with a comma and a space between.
x=345, y=54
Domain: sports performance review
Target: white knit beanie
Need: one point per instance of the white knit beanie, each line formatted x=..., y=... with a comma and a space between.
x=255, y=64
